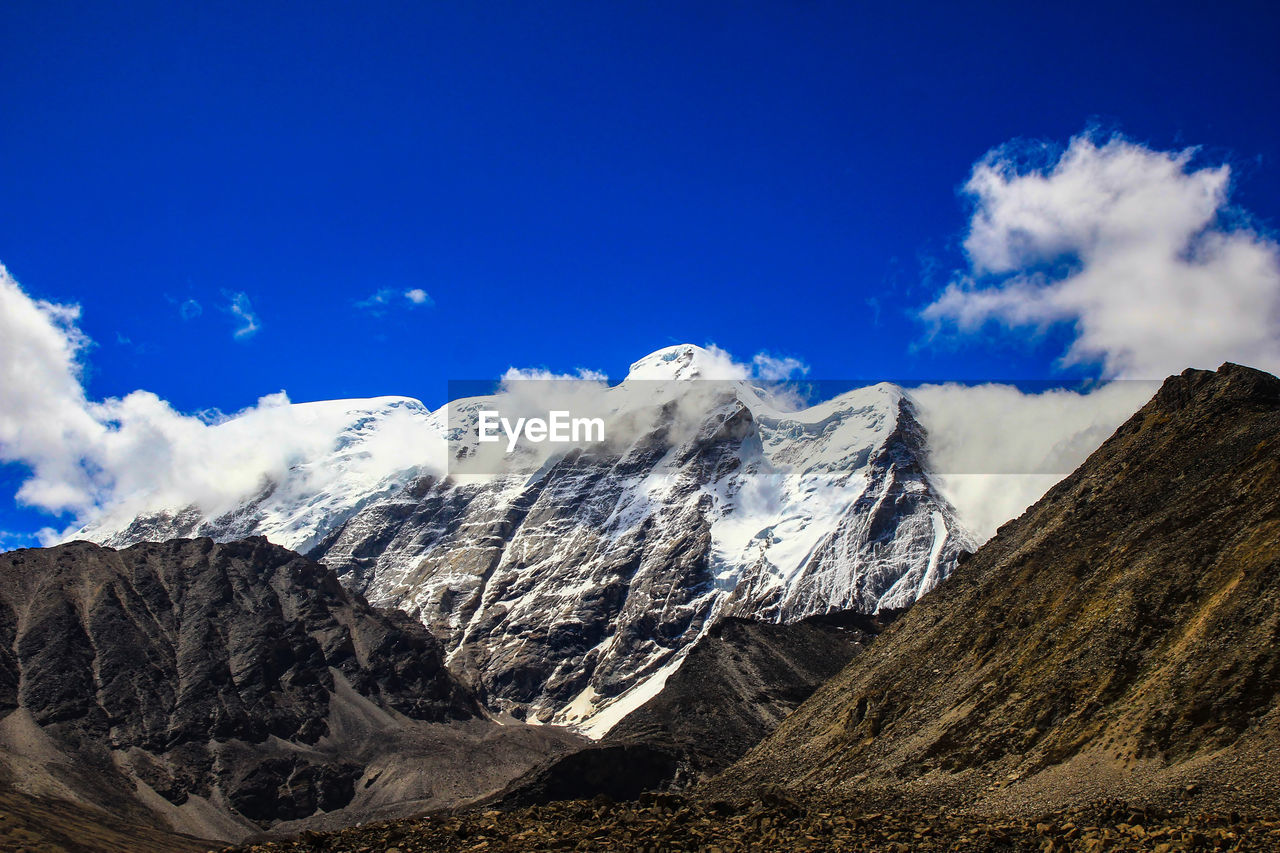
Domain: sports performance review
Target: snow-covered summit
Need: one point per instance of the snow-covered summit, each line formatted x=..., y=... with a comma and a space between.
x=685, y=361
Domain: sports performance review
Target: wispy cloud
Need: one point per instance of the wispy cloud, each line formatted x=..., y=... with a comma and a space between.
x=10, y=540
x=386, y=298
x=775, y=369
x=377, y=301
x=239, y=306
x=190, y=309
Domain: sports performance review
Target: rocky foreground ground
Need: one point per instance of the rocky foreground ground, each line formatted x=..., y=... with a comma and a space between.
x=664, y=824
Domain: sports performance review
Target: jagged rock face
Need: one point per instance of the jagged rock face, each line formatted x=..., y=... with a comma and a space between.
x=740, y=680
x=895, y=542
x=231, y=640
x=564, y=592
x=222, y=688
x=568, y=590
x=163, y=651
x=1118, y=639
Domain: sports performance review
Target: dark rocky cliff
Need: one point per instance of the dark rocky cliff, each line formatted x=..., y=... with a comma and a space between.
x=223, y=687
x=740, y=681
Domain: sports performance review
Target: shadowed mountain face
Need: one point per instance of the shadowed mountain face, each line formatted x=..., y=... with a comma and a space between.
x=740, y=681
x=224, y=688
x=736, y=685
x=1121, y=638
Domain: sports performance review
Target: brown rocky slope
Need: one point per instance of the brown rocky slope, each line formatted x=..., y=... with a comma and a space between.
x=738, y=683
x=1120, y=638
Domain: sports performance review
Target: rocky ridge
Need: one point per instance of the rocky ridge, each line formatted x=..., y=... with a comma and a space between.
x=740, y=681
x=736, y=685
x=1101, y=676
x=223, y=689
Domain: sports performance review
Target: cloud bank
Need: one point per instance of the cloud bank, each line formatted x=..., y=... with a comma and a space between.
x=996, y=449
x=125, y=456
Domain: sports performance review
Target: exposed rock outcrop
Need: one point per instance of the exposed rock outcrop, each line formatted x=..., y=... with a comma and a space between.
x=228, y=688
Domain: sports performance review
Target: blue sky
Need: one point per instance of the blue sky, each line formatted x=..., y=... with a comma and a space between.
x=564, y=184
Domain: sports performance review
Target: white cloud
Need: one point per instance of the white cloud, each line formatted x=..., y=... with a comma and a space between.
x=541, y=374
x=190, y=309
x=242, y=309
x=773, y=369
x=43, y=410
x=386, y=298
x=376, y=301
x=124, y=456
x=1139, y=253
x=1137, y=249
x=714, y=363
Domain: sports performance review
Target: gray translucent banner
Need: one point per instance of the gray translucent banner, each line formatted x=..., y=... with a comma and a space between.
x=947, y=427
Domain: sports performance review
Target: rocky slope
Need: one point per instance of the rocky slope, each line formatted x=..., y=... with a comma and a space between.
x=740, y=681
x=1118, y=639
x=54, y=825
x=735, y=686
x=568, y=587
x=665, y=823
x=221, y=689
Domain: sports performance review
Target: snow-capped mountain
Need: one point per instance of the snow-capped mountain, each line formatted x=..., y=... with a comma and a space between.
x=570, y=584
x=349, y=454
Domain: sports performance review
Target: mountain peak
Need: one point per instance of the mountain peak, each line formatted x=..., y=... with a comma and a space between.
x=686, y=361
x=1231, y=383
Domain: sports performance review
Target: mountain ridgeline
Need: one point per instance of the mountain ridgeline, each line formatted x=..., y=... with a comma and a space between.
x=1119, y=641
x=1104, y=674
x=566, y=591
